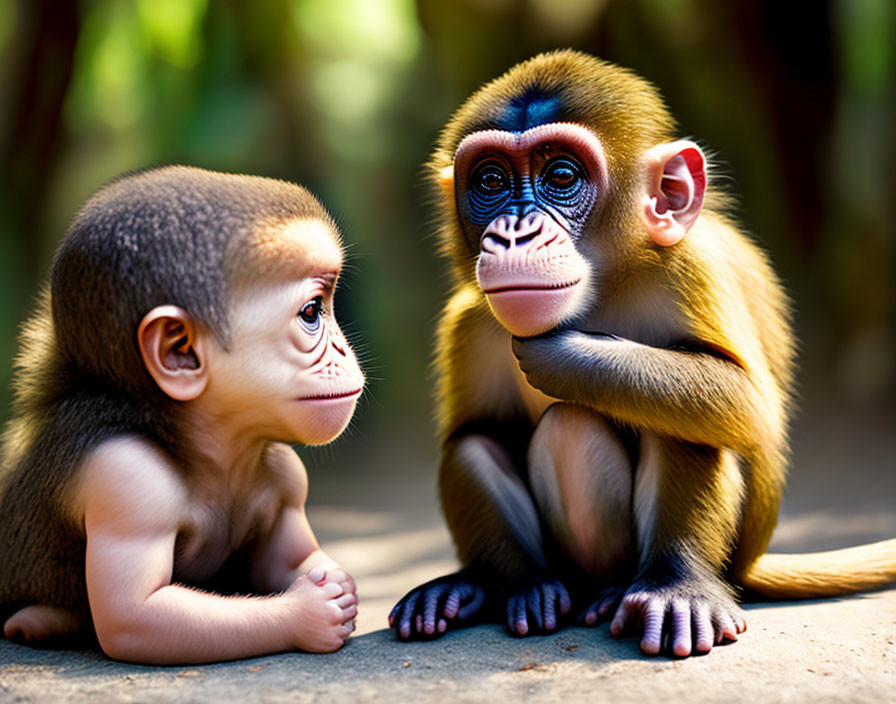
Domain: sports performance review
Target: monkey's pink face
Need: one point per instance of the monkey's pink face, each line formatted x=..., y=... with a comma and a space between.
x=289, y=374
x=523, y=200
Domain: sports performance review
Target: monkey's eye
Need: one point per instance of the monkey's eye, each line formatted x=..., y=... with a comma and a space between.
x=309, y=315
x=561, y=174
x=489, y=179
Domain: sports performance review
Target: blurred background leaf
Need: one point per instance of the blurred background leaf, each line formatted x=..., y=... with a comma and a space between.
x=795, y=100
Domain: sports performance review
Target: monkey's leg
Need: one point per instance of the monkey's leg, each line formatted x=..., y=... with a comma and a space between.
x=496, y=529
x=581, y=478
x=687, y=504
x=42, y=625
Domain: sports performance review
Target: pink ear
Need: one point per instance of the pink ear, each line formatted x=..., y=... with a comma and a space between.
x=675, y=183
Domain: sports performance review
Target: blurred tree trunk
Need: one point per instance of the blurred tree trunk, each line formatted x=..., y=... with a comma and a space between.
x=30, y=148
x=790, y=53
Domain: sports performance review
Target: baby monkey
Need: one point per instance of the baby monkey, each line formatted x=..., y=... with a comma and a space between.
x=148, y=495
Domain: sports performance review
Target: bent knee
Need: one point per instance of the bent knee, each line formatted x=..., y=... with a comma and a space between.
x=571, y=419
x=572, y=442
x=581, y=479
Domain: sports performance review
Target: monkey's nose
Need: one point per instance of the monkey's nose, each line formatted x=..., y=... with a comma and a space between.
x=509, y=231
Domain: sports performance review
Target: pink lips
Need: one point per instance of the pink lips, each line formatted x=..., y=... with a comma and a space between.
x=527, y=309
x=531, y=287
x=333, y=397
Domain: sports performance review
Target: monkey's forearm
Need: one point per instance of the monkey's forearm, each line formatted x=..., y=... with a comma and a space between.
x=179, y=625
x=694, y=396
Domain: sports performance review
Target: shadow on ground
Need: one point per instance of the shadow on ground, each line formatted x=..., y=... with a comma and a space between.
x=377, y=514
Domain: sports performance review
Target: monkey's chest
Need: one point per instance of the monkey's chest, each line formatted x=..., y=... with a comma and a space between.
x=215, y=530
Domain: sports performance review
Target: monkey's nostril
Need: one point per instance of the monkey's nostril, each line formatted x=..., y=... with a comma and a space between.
x=496, y=239
x=525, y=239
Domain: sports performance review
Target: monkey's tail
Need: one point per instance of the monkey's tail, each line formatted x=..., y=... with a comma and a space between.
x=832, y=573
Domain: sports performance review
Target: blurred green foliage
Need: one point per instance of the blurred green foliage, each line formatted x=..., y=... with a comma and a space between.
x=796, y=100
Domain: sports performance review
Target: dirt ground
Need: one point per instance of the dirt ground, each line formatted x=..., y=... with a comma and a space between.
x=376, y=512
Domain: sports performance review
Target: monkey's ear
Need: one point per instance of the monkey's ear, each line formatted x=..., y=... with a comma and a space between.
x=173, y=352
x=675, y=183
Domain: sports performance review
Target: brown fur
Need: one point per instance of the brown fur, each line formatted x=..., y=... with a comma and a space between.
x=726, y=296
x=171, y=235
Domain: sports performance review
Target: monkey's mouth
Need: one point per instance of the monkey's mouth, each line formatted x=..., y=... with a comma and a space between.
x=334, y=396
x=522, y=287
x=527, y=308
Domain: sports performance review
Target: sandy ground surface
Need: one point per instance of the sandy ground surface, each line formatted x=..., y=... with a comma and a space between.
x=376, y=512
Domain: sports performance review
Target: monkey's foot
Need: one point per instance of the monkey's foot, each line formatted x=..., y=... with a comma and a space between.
x=682, y=619
x=41, y=625
x=429, y=610
x=603, y=607
x=536, y=606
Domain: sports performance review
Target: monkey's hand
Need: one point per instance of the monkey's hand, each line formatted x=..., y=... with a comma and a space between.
x=558, y=361
x=680, y=618
x=427, y=611
x=323, y=616
x=335, y=572
x=536, y=606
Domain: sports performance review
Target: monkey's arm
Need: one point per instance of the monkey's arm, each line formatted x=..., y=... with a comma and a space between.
x=291, y=549
x=134, y=503
x=697, y=395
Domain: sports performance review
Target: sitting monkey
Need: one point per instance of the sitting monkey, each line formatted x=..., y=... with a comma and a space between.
x=146, y=487
x=615, y=366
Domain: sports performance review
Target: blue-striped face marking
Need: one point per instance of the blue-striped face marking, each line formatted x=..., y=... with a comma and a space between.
x=496, y=187
x=558, y=169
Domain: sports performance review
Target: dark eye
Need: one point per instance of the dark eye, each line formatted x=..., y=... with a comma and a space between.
x=561, y=175
x=309, y=315
x=489, y=179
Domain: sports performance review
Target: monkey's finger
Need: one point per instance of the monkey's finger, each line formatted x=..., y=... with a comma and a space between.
x=563, y=599
x=520, y=622
x=510, y=612
x=680, y=616
x=533, y=607
x=703, y=633
x=347, y=600
x=625, y=612
x=442, y=625
x=349, y=613
x=332, y=589
x=465, y=594
x=608, y=602
x=589, y=616
x=318, y=575
x=452, y=602
x=406, y=614
x=349, y=581
x=551, y=598
x=431, y=608
x=476, y=602
x=516, y=615
x=654, y=615
x=725, y=628
x=398, y=608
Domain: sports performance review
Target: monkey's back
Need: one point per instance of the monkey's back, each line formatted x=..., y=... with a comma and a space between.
x=58, y=417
